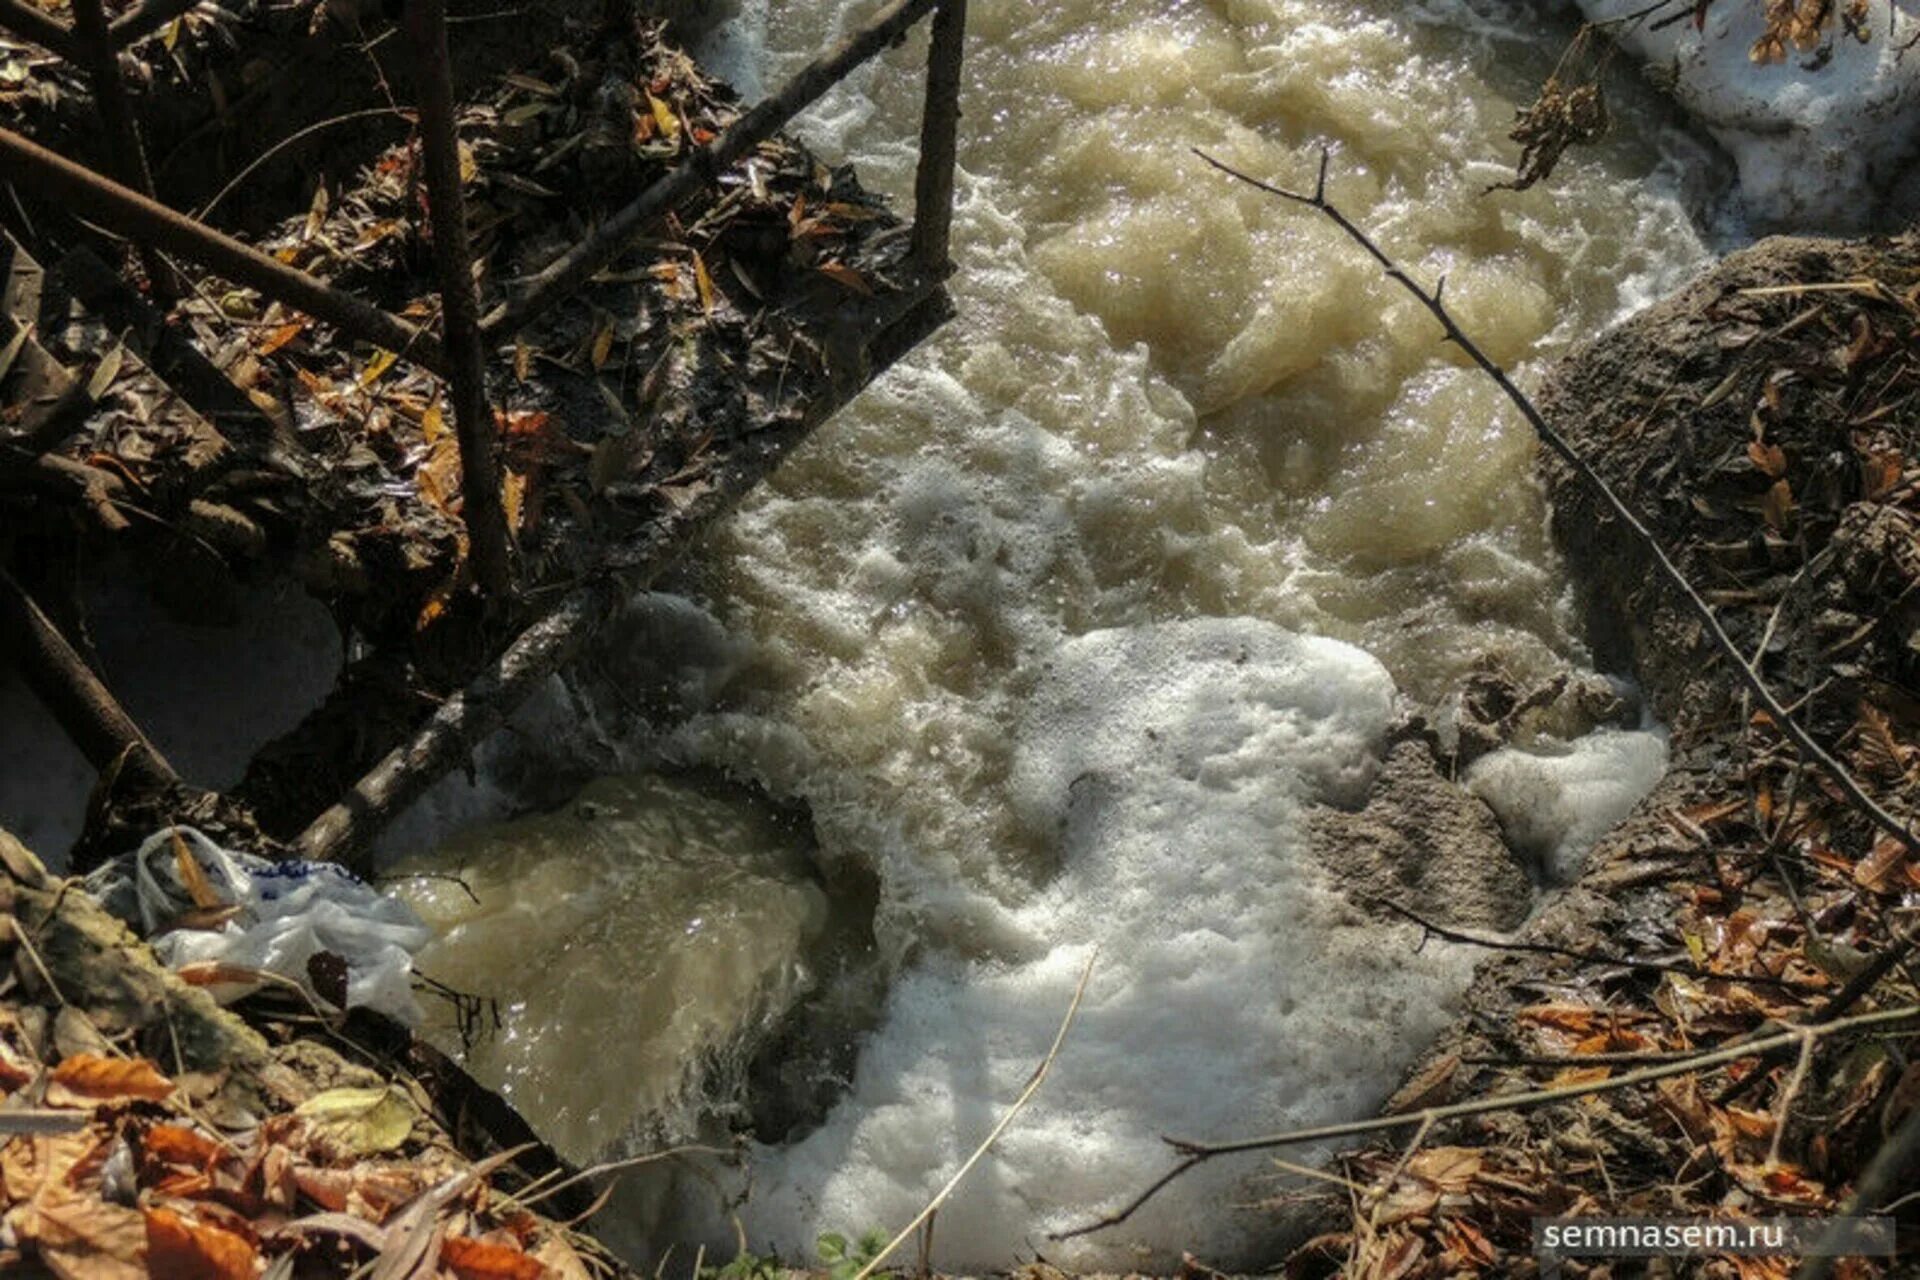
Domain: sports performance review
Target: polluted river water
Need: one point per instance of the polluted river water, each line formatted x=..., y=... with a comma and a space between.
x=1039, y=651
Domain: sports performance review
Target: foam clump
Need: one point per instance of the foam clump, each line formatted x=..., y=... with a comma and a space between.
x=1233, y=989
x=1553, y=808
x=1817, y=135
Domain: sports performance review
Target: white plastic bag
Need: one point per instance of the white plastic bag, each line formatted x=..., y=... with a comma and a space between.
x=288, y=913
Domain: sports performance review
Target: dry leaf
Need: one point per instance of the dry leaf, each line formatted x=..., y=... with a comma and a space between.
x=174, y=1144
x=87, y=1079
x=1769, y=458
x=79, y=1236
x=194, y=876
x=841, y=273
x=359, y=1122
x=377, y=367
x=1877, y=870
x=282, y=336
x=473, y=1259
x=1777, y=505
x=1879, y=474
x=179, y=1248
x=703, y=281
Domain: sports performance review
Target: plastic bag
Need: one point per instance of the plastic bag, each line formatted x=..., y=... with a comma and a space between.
x=272, y=916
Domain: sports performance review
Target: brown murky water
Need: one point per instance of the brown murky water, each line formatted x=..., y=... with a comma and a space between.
x=1167, y=399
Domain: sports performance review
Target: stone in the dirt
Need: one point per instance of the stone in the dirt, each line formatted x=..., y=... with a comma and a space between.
x=1823, y=135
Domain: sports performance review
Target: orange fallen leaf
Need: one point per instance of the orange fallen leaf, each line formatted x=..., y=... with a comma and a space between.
x=1769, y=458
x=282, y=336
x=521, y=422
x=841, y=273
x=178, y=1248
x=86, y=1079
x=1879, y=474
x=174, y=1144
x=473, y=1259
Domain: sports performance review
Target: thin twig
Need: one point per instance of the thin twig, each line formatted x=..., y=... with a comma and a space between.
x=1019, y=1104
x=1855, y=794
x=1592, y=957
x=274, y=150
x=1195, y=1153
x=616, y=1166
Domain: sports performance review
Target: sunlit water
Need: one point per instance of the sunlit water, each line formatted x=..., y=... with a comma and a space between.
x=1021, y=634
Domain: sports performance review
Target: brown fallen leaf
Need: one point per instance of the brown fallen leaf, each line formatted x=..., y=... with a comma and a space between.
x=180, y=1248
x=175, y=1144
x=842, y=274
x=79, y=1236
x=1777, y=505
x=1769, y=458
x=86, y=1080
x=473, y=1259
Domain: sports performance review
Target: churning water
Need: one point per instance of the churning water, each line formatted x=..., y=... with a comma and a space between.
x=1038, y=651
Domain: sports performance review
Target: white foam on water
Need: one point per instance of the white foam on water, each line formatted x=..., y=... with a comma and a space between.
x=1234, y=990
x=1819, y=135
x=1553, y=806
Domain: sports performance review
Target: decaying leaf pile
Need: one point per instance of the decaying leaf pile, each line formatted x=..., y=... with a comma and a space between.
x=146, y=1132
x=234, y=439
x=615, y=410
x=1767, y=423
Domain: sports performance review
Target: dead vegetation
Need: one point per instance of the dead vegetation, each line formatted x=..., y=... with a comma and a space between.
x=150, y=1133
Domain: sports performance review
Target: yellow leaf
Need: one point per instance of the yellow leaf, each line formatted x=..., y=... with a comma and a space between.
x=704, y=281
x=513, y=493
x=172, y=37
x=433, y=428
x=663, y=117
x=603, y=344
x=377, y=367
x=469, y=167
x=1697, y=948
x=359, y=1122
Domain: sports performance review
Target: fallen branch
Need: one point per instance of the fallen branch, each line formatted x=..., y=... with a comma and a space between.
x=1019, y=1104
x=562, y=278
x=481, y=508
x=86, y=709
x=129, y=213
x=1850, y=787
x=455, y=728
x=1196, y=1153
x=29, y=23
x=1682, y=968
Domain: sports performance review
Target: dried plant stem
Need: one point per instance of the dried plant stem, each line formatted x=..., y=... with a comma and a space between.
x=1196, y=1153
x=1749, y=675
x=1019, y=1104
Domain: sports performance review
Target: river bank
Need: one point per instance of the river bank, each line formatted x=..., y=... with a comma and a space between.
x=1765, y=423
